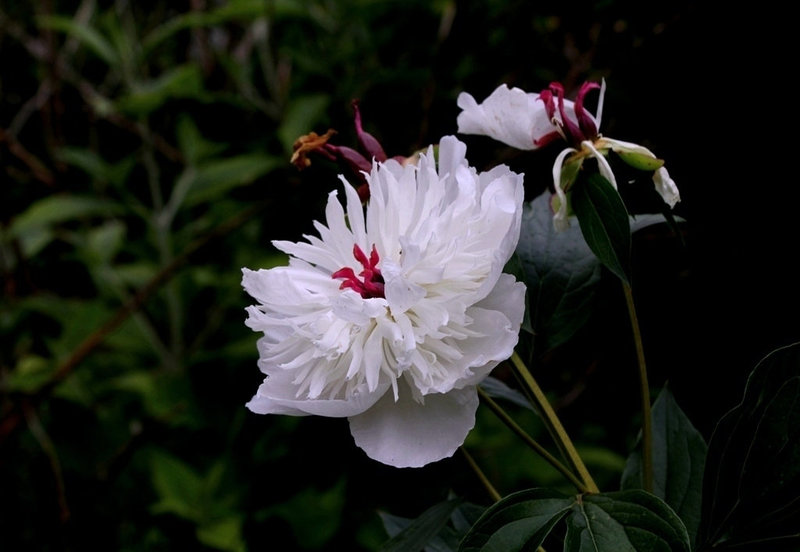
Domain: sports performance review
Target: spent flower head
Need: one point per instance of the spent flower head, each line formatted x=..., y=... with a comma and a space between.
x=357, y=162
x=393, y=314
x=529, y=121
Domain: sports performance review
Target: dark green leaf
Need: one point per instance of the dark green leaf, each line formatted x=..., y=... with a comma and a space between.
x=520, y=521
x=212, y=179
x=59, y=208
x=185, y=81
x=604, y=222
x=752, y=478
x=89, y=36
x=301, y=117
x=499, y=390
x=679, y=453
x=423, y=529
x=624, y=521
x=560, y=272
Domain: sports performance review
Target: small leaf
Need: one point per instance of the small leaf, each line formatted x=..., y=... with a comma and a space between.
x=423, y=529
x=184, y=81
x=302, y=115
x=560, y=272
x=57, y=209
x=624, y=521
x=752, y=477
x=178, y=486
x=212, y=179
x=604, y=223
x=679, y=453
x=520, y=521
x=223, y=534
x=85, y=34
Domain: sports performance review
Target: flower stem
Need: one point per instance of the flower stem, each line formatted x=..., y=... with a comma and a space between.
x=482, y=476
x=554, y=424
x=540, y=450
x=647, y=431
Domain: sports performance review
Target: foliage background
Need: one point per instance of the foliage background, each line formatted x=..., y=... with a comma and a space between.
x=143, y=140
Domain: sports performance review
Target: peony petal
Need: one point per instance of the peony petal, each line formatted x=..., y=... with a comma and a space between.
x=511, y=116
x=407, y=434
x=666, y=187
x=277, y=395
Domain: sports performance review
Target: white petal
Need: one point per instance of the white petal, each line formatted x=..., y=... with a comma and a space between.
x=277, y=395
x=511, y=116
x=560, y=220
x=407, y=434
x=602, y=163
x=666, y=187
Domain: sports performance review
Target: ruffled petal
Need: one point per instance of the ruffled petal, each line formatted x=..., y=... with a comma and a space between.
x=277, y=395
x=407, y=434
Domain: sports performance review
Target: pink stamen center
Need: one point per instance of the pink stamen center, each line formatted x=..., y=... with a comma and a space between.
x=371, y=283
x=553, y=98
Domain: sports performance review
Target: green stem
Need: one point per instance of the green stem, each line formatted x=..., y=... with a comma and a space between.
x=554, y=424
x=647, y=431
x=540, y=450
x=482, y=476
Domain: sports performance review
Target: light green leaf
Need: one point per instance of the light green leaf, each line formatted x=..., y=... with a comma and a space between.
x=640, y=161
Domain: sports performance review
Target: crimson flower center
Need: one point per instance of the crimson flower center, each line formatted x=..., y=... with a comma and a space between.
x=371, y=283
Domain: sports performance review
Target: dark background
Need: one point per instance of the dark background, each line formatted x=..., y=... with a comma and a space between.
x=141, y=449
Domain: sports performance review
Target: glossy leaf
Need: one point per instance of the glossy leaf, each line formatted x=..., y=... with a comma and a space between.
x=520, y=521
x=560, y=272
x=679, y=453
x=604, y=223
x=625, y=521
x=752, y=478
x=419, y=533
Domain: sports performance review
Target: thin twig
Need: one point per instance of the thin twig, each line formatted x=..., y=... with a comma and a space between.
x=531, y=442
x=647, y=430
x=482, y=476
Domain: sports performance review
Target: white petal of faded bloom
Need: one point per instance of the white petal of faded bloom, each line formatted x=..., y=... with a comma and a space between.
x=666, y=187
x=509, y=115
x=400, y=350
x=560, y=217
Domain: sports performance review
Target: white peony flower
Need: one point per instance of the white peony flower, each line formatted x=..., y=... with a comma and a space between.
x=392, y=317
x=528, y=121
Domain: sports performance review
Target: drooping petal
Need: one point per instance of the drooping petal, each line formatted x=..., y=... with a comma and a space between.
x=408, y=434
x=666, y=187
x=509, y=115
x=602, y=163
x=560, y=220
